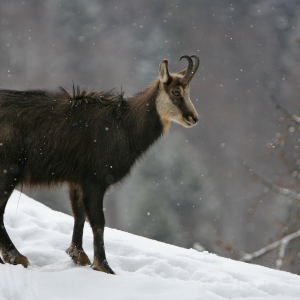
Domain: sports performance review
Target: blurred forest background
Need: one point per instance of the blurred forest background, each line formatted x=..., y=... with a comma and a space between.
x=228, y=185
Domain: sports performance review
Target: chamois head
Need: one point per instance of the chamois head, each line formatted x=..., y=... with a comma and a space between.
x=173, y=102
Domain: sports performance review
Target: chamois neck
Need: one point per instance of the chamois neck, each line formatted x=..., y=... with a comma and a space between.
x=143, y=118
x=146, y=96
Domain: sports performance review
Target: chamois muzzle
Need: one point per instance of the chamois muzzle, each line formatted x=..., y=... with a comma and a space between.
x=191, y=120
x=191, y=69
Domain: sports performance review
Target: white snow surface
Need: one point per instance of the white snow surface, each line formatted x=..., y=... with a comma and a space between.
x=145, y=269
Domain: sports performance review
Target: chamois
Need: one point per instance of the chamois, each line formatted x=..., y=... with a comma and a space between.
x=87, y=140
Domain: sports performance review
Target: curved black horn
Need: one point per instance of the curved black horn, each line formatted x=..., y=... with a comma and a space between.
x=185, y=79
x=196, y=66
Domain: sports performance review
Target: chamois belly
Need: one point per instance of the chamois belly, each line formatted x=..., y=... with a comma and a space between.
x=105, y=163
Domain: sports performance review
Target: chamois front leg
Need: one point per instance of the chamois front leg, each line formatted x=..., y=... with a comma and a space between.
x=75, y=250
x=9, y=252
x=93, y=204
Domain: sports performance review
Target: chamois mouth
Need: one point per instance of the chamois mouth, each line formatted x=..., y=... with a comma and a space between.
x=190, y=124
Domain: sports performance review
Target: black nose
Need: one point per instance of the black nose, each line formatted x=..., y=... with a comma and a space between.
x=195, y=119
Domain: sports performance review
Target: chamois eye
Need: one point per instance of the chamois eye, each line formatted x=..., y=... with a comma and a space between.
x=176, y=93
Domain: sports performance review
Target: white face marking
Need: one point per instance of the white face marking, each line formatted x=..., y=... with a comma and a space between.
x=168, y=111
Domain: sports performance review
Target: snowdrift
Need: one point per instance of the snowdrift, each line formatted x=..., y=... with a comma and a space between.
x=145, y=269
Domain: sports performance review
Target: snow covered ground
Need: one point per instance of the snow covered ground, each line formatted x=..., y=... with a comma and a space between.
x=145, y=269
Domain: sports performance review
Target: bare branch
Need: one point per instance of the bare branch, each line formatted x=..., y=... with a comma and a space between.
x=295, y=118
x=276, y=188
x=247, y=257
x=282, y=243
x=278, y=105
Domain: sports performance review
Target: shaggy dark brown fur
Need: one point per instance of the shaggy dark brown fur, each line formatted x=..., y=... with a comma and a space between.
x=88, y=140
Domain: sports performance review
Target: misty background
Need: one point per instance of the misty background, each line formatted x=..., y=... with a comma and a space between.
x=193, y=189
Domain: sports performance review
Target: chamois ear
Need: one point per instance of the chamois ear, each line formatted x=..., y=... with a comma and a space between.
x=164, y=75
x=182, y=72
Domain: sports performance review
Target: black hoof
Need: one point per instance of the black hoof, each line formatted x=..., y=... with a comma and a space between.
x=103, y=267
x=78, y=256
x=14, y=257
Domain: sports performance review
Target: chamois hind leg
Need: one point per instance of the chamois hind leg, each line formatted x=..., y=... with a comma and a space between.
x=8, y=250
x=93, y=204
x=75, y=250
